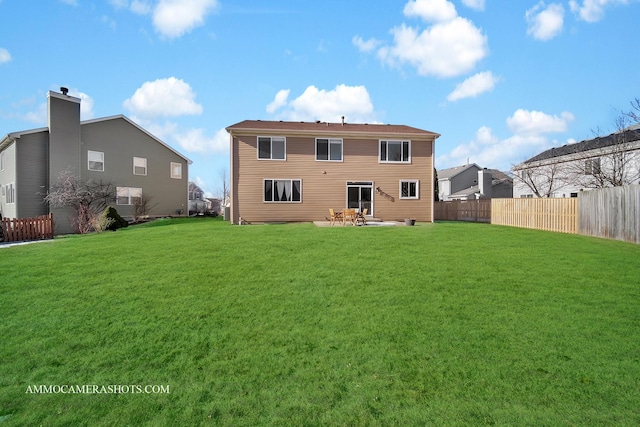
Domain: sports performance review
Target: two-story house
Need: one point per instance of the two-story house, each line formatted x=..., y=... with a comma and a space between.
x=471, y=182
x=112, y=150
x=297, y=171
x=608, y=161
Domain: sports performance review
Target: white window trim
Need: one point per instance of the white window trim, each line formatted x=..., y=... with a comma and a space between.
x=89, y=152
x=145, y=166
x=2, y=161
x=282, y=179
x=129, y=196
x=401, y=142
x=329, y=142
x=284, y=139
x=417, y=182
x=174, y=176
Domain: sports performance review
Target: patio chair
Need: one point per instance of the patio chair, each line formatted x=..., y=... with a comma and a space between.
x=349, y=215
x=361, y=217
x=334, y=216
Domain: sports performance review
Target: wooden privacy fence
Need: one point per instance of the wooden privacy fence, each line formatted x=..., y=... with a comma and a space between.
x=559, y=215
x=463, y=210
x=613, y=213
x=18, y=229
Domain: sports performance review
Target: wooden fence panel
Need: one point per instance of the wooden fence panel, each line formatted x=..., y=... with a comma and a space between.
x=612, y=213
x=463, y=210
x=19, y=229
x=560, y=215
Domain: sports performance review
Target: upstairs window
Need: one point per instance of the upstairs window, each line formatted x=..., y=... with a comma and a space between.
x=409, y=189
x=395, y=151
x=139, y=166
x=271, y=148
x=176, y=170
x=592, y=166
x=282, y=190
x=329, y=149
x=95, y=161
x=2, y=161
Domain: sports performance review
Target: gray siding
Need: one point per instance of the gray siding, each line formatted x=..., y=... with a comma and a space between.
x=7, y=176
x=32, y=175
x=120, y=141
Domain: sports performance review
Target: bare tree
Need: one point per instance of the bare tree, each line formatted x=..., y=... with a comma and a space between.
x=224, y=190
x=543, y=179
x=612, y=160
x=141, y=207
x=87, y=199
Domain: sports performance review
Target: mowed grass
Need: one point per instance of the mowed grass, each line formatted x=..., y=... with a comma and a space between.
x=438, y=324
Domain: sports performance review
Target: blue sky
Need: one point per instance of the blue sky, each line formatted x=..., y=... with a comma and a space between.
x=499, y=80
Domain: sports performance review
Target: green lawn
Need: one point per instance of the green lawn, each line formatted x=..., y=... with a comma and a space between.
x=438, y=324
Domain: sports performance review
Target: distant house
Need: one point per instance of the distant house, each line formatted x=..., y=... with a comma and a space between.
x=470, y=182
x=197, y=201
x=297, y=171
x=111, y=150
x=608, y=161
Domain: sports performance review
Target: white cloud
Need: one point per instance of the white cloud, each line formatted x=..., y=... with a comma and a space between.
x=474, y=86
x=86, y=104
x=173, y=18
x=528, y=138
x=352, y=102
x=431, y=10
x=531, y=123
x=195, y=140
x=593, y=10
x=449, y=47
x=443, y=50
x=279, y=101
x=5, y=56
x=474, y=4
x=365, y=45
x=545, y=22
x=163, y=98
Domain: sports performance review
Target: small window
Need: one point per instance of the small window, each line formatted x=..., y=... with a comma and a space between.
x=2, y=161
x=282, y=190
x=96, y=161
x=329, y=149
x=139, y=166
x=128, y=195
x=395, y=151
x=176, y=170
x=409, y=189
x=592, y=166
x=271, y=148
x=10, y=193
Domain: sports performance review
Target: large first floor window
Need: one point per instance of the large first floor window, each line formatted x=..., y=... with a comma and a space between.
x=282, y=190
x=272, y=148
x=128, y=195
x=409, y=189
x=395, y=151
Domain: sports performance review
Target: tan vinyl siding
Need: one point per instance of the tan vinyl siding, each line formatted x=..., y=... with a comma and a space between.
x=324, y=184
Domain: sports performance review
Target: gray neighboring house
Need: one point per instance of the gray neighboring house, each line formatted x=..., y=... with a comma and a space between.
x=471, y=182
x=567, y=170
x=110, y=150
x=197, y=202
